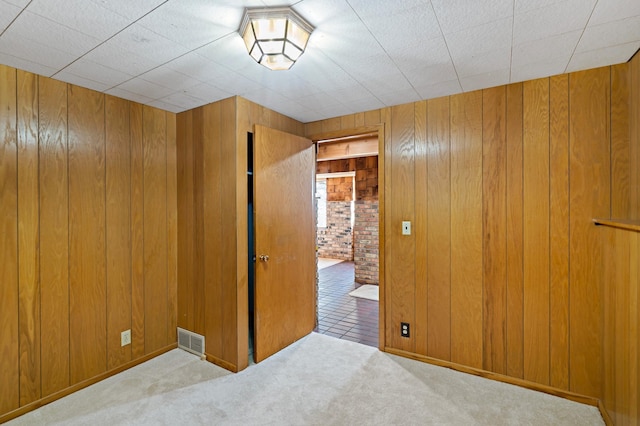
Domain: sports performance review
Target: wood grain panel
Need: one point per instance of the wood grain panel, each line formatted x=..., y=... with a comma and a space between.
x=620, y=140
x=420, y=228
x=137, y=233
x=494, y=215
x=536, y=230
x=118, y=228
x=439, y=231
x=559, y=231
x=230, y=220
x=197, y=317
x=28, y=237
x=634, y=137
x=621, y=359
x=213, y=291
x=184, y=125
x=610, y=265
x=172, y=229
x=54, y=236
x=154, y=146
x=87, y=279
x=515, y=207
x=466, y=229
x=9, y=293
x=589, y=197
x=400, y=279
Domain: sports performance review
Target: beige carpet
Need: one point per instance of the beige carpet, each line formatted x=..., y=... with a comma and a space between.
x=325, y=262
x=318, y=380
x=366, y=291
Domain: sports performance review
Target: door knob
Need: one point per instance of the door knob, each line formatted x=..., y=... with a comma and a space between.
x=264, y=257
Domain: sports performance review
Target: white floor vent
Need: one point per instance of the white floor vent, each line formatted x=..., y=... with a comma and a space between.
x=191, y=342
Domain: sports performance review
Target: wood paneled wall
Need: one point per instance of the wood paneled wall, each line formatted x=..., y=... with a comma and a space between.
x=212, y=206
x=502, y=270
x=88, y=220
x=621, y=395
x=621, y=253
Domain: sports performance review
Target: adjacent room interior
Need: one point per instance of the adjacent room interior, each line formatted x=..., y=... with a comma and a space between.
x=503, y=195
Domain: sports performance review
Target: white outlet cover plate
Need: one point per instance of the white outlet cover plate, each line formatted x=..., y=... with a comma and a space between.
x=406, y=227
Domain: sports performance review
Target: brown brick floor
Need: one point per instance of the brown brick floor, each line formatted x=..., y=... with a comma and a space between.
x=341, y=315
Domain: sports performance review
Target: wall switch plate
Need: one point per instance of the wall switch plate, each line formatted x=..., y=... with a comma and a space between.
x=125, y=338
x=406, y=227
x=404, y=329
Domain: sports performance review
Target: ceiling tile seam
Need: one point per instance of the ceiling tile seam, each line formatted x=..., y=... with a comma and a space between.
x=385, y=50
x=455, y=69
x=14, y=19
x=103, y=42
x=580, y=38
x=513, y=24
x=173, y=59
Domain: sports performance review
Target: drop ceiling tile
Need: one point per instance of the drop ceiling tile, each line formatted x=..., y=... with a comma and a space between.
x=557, y=18
x=166, y=106
x=483, y=63
x=436, y=90
x=81, y=81
x=194, y=23
x=234, y=83
x=485, y=80
x=610, y=34
x=132, y=10
x=601, y=57
x=614, y=10
x=196, y=66
x=26, y=65
x=183, y=100
x=147, y=44
x=389, y=25
x=166, y=77
x=352, y=93
x=323, y=12
x=34, y=27
x=145, y=88
x=229, y=51
x=431, y=75
x=207, y=92
x=526, y=5
x=431, y=52
x=389, y=83
x=125, y=94
x=368, y=104
x=32, y=51
x=539, y=51
x=110, y=55
x=398, y=97
x=85, y=16
x=20, y=3
x=97, y=72
x=538, y=69
x=482, y=38
x=8, y=13
x=457, y=15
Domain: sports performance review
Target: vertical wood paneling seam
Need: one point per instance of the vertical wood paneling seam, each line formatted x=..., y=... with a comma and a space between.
x=166, y=224
x=68, y=240
x=38, y=237
x=522, y=127
x=17, y=182
x=106, y=234
x=482, y=227
x=143, y=281
x=569, y=230
x=450, y=228
x=550, y=260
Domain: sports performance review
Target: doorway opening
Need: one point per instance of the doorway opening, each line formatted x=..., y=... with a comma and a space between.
x=348, y=238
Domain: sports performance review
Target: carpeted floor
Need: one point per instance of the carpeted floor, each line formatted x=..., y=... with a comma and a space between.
x=318, y=380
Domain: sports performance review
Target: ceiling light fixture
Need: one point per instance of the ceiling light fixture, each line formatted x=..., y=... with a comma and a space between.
x=275, y=37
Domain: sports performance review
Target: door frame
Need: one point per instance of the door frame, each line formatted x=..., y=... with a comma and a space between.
x=380, y=130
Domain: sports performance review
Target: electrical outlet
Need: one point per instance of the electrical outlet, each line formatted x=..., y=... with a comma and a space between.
x=404, y=329
x=125, y=338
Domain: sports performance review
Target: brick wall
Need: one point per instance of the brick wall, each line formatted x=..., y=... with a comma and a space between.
x=365, y=242
x=336, y=240
x=365, y=232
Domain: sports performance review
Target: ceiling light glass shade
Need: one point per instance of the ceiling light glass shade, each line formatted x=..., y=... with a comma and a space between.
x=275, y=37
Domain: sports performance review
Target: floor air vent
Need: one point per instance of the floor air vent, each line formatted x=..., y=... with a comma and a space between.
x=191, y=342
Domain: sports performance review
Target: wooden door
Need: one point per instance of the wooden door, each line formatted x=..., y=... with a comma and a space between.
x=284, y=215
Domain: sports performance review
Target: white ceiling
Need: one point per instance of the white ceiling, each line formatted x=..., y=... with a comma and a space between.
x=363, y=55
